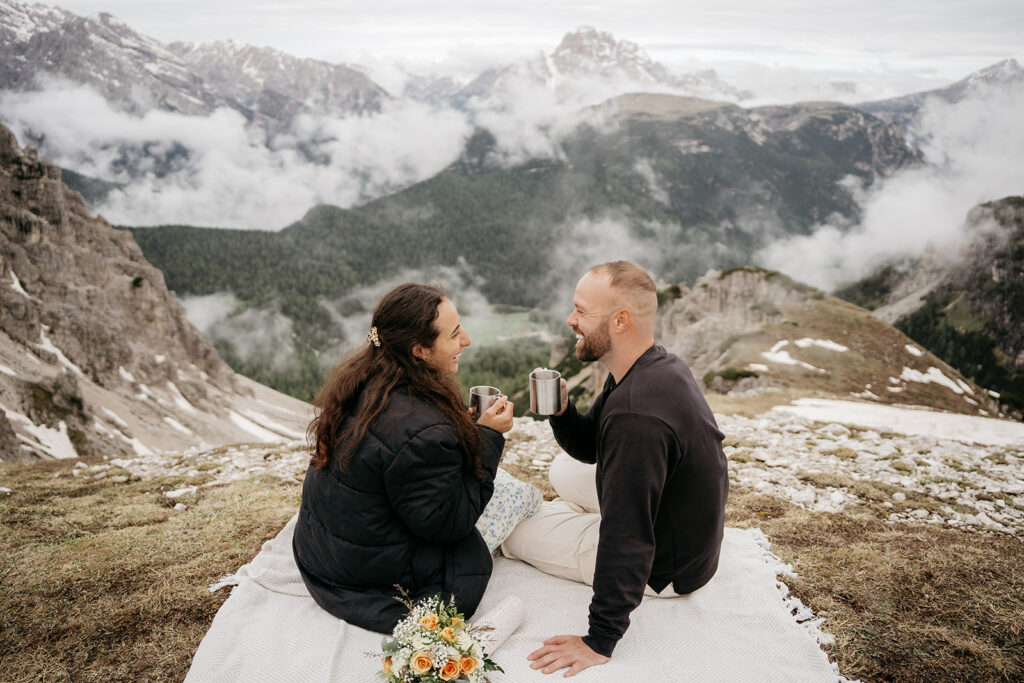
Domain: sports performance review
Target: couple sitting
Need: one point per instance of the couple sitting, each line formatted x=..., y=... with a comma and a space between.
x=401, y=472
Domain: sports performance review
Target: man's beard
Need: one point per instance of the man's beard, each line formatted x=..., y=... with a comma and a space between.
x=595, y=345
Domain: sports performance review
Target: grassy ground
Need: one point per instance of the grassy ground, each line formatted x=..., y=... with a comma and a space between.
x=104, y=581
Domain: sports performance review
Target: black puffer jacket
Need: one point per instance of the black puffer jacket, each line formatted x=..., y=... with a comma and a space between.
x=403, y=512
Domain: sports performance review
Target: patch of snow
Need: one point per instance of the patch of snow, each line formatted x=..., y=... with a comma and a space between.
x=265, y=421
x=180, y=400
x=159, y=358
x=913, y=350
x=778, y=345
x=178, y=426
x=16, y=285
x=965, y=386
x=913, y=421
x=125, y=374
x=115, y=417
x=7, y=371
x=53, y=442
x=823, y=343
x=783, y=358
x=48, y=345
x=933, y=376
x=757, y=367
x=993, y=394
x=252, y=428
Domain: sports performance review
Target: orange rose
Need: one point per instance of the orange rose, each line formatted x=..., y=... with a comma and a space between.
x=448, y=634
x=386, y=662
x=450, y=671
x=429, y=622
x=420, y=662
x=469, y=664
x=458, y=623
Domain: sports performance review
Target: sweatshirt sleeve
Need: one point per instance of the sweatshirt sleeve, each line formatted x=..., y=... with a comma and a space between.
x=635, y=465
x=430, y=490
x=576, y=433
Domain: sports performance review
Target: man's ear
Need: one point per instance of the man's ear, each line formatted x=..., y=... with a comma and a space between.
x=622, y=320
x=419, y=352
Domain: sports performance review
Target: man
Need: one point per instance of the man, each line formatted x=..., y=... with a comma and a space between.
x=661, y=478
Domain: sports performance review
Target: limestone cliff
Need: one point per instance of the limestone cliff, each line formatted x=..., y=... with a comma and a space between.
x=96, y=355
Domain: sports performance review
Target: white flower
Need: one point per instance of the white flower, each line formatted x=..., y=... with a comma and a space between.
x=464, y=640
x=419, y=642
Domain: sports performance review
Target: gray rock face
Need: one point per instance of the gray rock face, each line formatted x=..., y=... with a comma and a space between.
x=96, y=355
x=903, y=110
x=278, y=86
x=136, y=73
x=132, y=71
x=720, y=306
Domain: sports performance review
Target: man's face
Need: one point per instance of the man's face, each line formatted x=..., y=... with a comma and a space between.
x=592, y=309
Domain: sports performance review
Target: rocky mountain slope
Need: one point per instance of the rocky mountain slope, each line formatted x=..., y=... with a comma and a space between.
x=967, y=306
x=133, y=72
x=96, y=356
x=278, y=86
x=137, y=73
x=904, y=110
x=755, y=330
x=589, y=54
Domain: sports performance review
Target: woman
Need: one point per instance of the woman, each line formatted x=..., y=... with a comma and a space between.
x=400, y=472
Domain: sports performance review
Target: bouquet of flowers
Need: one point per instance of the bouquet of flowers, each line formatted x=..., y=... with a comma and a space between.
x=434, y=643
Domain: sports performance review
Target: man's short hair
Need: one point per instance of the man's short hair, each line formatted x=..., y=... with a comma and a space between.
x=627, y=276
x=633, y=283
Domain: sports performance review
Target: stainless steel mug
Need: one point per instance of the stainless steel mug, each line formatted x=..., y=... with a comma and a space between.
x=482, y=398
x=545, y=392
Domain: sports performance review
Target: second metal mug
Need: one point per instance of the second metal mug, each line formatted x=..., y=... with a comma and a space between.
x=482, y=398
x=545, y=392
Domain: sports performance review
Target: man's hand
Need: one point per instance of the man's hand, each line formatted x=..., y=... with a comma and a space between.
x=565, y=651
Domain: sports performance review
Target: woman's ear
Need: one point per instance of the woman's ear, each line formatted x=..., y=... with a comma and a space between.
x=419, y=352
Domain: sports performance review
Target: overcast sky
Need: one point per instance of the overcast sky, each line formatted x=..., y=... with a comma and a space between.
x=934, y=40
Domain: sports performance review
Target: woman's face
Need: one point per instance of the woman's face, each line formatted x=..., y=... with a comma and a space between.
x=443, y=356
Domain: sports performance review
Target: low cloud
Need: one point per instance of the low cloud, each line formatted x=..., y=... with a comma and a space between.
x=216, y=170
x=262, y=336
x=973, y=149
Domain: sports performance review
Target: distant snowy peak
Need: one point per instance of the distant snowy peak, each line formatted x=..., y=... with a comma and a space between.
x=592, y=55
x=590, y=52
x=262, y=76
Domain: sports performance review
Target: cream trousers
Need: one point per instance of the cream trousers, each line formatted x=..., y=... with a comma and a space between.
x=561, y=538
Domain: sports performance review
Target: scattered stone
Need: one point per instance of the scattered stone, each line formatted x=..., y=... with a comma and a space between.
x=5, y=491
x=836, y=429
x=178, y=493
x=899, y=496
x=180, y=506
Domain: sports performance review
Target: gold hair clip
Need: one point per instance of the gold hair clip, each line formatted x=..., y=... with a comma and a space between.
x=373, y=338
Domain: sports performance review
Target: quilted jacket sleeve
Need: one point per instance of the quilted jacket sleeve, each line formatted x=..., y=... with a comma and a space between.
x=429, y=489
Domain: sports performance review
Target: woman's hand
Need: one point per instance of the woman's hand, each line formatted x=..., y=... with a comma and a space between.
x=499, y=416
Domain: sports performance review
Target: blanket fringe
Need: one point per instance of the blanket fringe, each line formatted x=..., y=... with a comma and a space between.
x=229, y=580
x=802, y=614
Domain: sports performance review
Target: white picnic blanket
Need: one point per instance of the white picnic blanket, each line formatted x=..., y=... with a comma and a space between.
x=739, y=627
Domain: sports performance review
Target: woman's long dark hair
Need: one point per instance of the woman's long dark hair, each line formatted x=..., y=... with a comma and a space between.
x=403, y=318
